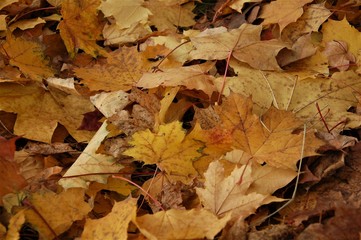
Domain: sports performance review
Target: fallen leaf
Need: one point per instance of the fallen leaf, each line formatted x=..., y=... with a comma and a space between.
x=338, y=55
x=181, y=224
x=193, y=77
x=59, y=210
x=243, y=43
x=48, y=108
x=126, y=12
x=77, y=14
x=28, y=56
x=121, y=70
x=10, y=177
x=310, y=21
x=228, y=194
x=291, y=11
x=15, y=225
x=169, y=148
x=89, y=164
x=115, y=224
x=109, y=103
x=167, y=15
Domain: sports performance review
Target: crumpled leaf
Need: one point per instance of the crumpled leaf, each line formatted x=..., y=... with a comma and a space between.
x=77, y=14
x=28, y=56
x=291, y=11
x=169, y=148
x=310, y=21
x=181, y=224
x=59, y=210
x=115, y=224
x=90, y=162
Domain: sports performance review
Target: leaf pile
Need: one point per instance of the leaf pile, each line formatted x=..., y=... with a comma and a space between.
x=151, y=119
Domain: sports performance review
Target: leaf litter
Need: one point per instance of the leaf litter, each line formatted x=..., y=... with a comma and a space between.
x=210, y=119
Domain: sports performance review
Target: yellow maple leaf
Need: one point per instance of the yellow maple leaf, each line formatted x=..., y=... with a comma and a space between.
x=16, y=222
x=169, y=148
x=121, y=71
x=342, y=30
x=28, y=56
x=80, y=27
x=39, y=111
x=181, y=224
x=115, y=224
x=59, y=210
x=228, y=194
x=291, y=11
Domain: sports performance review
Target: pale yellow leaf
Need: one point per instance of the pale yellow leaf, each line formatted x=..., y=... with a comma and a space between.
x=89, y=162
x=238, y=4
x=114, y=225
x=228, y=194
x=282, y=12
x=109, y=103
x=168, y=15
x=125, y=12
x=181, y=224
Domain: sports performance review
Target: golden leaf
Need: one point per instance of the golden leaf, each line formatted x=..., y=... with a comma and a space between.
x=169, y=148
x=77, y=14
x=28, y=56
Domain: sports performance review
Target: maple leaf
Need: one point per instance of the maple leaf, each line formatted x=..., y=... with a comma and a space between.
x=193, y=77
x=121, y=71
x=338, y=55
x=181, y=224
x=169, y=148
x=270, y=139
x=39, y=111
x=125, y=12
x=342, y=31
x=310, y=21
x=115, y=224
x=224, y=194
x=59, y=210
x=91, y=162
x=243, y=43
x=291, y=11
x=77, y=14
x=28, y=56
x=168, y=15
